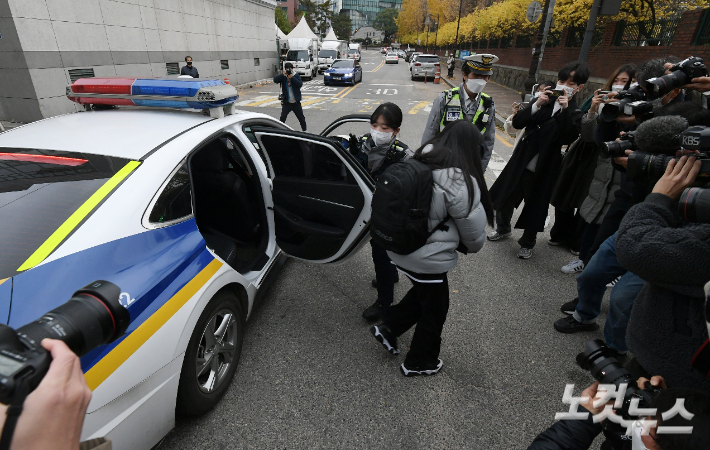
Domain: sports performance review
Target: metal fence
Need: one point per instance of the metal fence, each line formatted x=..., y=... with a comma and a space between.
x=648, y=33
x=575, y=37
x=493, y=43
x=506, y=42
x=524, y=41
x=703, y=35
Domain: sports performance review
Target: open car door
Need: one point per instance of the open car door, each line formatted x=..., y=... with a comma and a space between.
x=351, y=118
x=321, y=195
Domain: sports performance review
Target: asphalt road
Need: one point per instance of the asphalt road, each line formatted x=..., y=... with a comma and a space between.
x=311, y=375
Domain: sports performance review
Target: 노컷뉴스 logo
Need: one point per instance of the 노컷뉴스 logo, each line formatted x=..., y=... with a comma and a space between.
x=382, y=235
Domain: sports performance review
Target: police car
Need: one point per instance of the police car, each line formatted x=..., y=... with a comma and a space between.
x=191, y=215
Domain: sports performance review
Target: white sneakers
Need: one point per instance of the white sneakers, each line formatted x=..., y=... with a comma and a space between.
x=574, y=267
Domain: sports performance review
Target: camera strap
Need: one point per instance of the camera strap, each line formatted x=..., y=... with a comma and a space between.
x=13, y=412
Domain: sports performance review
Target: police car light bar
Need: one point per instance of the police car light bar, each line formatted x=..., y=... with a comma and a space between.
x=171, y=93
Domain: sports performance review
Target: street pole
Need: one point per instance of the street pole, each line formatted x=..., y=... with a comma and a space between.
x=589, y=34
x=436, y=36
x=456, y=42
x=539, y=47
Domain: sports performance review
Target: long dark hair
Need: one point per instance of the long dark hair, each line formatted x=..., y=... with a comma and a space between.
x=458, y=146
x=630, y=70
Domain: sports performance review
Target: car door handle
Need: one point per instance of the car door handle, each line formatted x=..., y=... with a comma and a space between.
x=301, y=225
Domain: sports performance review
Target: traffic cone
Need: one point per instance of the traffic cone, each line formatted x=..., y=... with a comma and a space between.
x=425, y=77
x=226, y=81
x=438, y=75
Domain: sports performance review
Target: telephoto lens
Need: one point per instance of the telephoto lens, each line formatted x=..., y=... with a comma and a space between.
x=681, y=74
x=92, y=317
x=613, y=149
x=694, y=205
x=606, y=369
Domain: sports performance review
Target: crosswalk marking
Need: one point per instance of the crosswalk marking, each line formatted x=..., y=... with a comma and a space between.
x=260, y=102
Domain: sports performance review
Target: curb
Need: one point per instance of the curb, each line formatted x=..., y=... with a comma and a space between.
x=253, y=83
x=500, y=120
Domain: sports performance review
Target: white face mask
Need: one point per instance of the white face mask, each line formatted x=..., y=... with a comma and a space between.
x=381, y=137
x=567, y=89
x=475, y=86
x=636, y=442
x=617, y=87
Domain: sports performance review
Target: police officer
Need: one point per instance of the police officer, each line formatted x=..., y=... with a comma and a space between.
x=468, y=102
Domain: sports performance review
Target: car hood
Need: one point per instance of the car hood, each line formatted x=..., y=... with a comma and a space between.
x=149, y=268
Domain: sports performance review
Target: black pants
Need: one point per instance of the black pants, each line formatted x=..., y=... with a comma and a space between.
x=296, y=108
x=610, y=224
x=505, y=214
x=588, y=236
x=451, y=72
x=385, y=272
x=567, y=228
x=425, y=305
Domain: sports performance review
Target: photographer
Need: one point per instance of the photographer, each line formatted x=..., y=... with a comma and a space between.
x=291, y=94
x=551, y=121
x=667, y=322
x=52, y=415
x=580, y=434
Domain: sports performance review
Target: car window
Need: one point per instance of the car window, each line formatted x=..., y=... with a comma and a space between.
x=175, y=202
x=40, y=190
x=344, y=64
x=255, y=143
x=305, y=159
x=427, y=59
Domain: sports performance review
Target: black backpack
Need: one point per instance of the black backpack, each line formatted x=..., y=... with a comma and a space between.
x=400, y=207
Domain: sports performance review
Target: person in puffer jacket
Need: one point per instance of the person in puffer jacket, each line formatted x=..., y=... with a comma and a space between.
x=459, y=192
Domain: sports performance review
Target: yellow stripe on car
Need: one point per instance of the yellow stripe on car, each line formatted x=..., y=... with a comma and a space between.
x=113, y=360
x=75, y=219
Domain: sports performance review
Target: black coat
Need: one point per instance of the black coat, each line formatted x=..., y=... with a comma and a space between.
x=667, y=324
x=544, y=135
x=576, y=174
x=568, y=434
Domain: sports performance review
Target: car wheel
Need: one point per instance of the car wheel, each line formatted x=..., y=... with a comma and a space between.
x=212, y=355
x=325, y=83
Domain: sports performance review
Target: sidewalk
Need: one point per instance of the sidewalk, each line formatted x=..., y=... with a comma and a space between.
x=504, y=97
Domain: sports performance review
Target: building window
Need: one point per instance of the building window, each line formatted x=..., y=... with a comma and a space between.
x=172, y=68
x=256, y=61
x=224, y=63
x=75, y=74
x=285, y=8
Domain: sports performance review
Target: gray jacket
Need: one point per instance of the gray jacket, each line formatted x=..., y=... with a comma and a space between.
x=437, y=112
x=605, y=183
x=449, y=197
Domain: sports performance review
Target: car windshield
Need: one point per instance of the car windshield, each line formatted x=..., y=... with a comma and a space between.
x=343, y=64
x=427, y=59
x=354, y=52
x=44, y=196
x=391, y=54
x=328, y=54
x=297, y=55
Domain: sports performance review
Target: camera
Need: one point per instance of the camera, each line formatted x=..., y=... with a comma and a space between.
x=289, y=71
x=93, y=316
x=613, y=149
x=612, y=110
x=694, y=205
x=639, y=108
x=681, y=74
x=606, y=369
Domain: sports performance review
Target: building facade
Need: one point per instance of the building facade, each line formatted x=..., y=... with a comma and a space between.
x=366, y=32
x=46, y=44
x=363, y=12
x=291, y=7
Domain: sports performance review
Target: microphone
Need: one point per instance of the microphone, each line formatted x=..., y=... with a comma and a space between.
x=660, y=135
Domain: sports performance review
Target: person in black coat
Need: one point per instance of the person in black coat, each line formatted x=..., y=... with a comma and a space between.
x=667, y=323
x=532, y=171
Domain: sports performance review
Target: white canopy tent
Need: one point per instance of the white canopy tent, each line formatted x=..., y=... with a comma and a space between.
x=331, y=36
x=302, y=30
x=280, y=34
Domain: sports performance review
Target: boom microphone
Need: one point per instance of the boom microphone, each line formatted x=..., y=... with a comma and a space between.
x=660, y=135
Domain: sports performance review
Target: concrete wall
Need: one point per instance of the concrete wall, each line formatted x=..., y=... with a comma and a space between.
x=42, y=39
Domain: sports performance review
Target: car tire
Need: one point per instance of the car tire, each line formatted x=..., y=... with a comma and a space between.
x=195, y=394
x=325, y=83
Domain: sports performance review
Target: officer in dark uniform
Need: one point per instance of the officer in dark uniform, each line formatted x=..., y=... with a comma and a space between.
x=376, y=151
x=468, y=102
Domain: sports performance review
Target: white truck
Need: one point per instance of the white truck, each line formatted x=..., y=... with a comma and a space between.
x=303, y=54
x=354, y=52
x=329, y=52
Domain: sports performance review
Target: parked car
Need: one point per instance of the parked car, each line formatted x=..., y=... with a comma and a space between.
x=383, y=50
x=190, y=215
x=424, y=66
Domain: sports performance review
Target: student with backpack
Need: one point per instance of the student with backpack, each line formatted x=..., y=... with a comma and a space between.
x=423, y=211
x=376, y=151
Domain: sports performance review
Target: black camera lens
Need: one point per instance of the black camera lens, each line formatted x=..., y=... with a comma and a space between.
x=694, y=205
x=611, y=111
x=613, y=149
x=597, y=358
x=666, y=83
x=645, y=166
x=92, y=317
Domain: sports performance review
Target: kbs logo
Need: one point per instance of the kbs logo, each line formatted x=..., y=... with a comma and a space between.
x=691, y=141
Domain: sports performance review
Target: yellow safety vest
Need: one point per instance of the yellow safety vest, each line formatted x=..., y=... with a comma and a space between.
x=455, y=112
